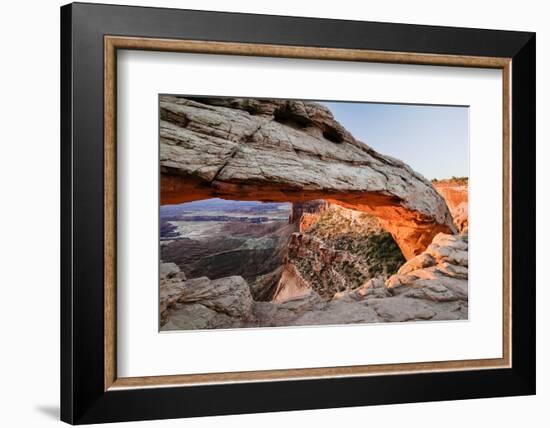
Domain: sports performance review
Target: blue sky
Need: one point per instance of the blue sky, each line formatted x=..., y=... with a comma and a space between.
x=433, y=140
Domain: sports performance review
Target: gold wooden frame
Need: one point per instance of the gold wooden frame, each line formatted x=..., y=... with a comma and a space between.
x=113, y=43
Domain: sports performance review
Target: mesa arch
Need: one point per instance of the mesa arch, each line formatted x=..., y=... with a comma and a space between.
x=288, y=151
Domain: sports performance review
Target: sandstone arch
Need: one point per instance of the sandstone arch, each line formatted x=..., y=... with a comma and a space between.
x=287, y=151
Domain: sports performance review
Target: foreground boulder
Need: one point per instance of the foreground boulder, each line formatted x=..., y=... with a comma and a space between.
x=339, y=250
x=438, y=277
x=288, y=151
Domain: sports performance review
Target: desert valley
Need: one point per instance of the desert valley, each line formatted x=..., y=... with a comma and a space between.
x=273, y=214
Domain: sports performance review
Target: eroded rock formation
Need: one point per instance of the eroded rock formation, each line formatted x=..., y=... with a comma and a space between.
x=200, y=303
x=278, y=150
x=305, y=214
x=431, y=286
x=340, y=250
x=455, y=193
x=438, y=276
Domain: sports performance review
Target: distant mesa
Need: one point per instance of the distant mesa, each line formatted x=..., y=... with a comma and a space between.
x=225, y=218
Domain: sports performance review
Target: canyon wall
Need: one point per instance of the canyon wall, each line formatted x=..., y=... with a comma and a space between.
x=305, y=214
x=455, y=193
x=337, y=250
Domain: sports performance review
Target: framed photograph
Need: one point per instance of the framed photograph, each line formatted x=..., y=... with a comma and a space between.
x=266, y=213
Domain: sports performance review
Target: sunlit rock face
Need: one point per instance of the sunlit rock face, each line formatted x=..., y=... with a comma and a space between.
x=430, y=286
x=455, y=193
x=307, y=213
x=289, y=151
x=339, y=250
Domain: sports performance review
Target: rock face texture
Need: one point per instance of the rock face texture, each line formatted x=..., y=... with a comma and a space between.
x=200, y=303
x=455, y=193
x=287, y=151
x=431, y=286
x=438, y=277
x=305, y=214
x=340, y=250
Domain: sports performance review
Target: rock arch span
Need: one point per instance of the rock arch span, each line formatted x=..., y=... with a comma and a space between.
x=288, y=151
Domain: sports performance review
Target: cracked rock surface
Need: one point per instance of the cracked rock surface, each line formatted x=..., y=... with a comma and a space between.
x=288, y=151
x=431, y=286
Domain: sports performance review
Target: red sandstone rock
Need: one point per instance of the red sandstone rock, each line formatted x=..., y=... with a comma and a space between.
x=456, y=196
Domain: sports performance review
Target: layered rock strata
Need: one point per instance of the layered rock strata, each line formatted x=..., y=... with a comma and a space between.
x=455, y=193
x=288, y=151
x=339, y=250
x=431, y=286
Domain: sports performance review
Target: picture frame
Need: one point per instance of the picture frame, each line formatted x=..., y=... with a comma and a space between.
x=91, y=35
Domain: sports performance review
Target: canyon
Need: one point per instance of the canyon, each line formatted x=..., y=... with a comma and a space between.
x=273, y=214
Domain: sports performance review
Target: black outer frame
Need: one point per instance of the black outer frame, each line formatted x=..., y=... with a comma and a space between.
x=83, y=399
